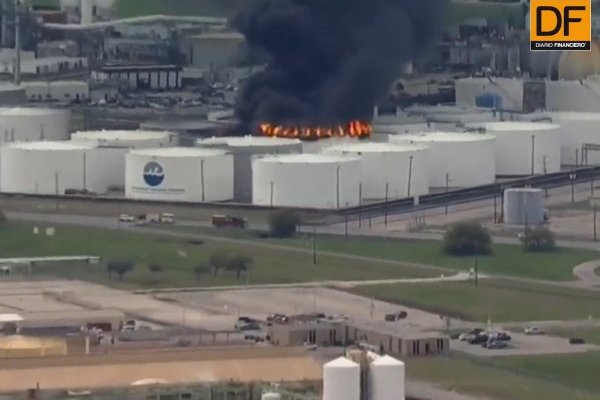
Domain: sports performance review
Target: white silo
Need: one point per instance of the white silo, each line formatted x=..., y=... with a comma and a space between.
x=341, y=380
x=525, y=148
x=576, y=130
x=386, y=379
x=388, y=170
x=243, y=149
x=179, y=174
x=456, y=159
x=52, y=168
x=127, y=139
x=523, y=206
x=28, y=124
x=316, y=181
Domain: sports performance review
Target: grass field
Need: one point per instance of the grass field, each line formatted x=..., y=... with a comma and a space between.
x=506, y=260
x=502, y=301
x=589, y=334
x=270, y=266
x=510, y=380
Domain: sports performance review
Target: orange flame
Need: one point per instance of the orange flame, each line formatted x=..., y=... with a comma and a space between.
x=355, y=129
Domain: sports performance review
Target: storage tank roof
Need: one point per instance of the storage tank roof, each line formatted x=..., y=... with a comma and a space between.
x=309, y=158
x=443, y=137
x=518, y=126
x=28, y=111
x=342, y=362
x=374, y=147
x=387, y=361
x=48, y=146
x=121, y=135
x=172, y=152
x=243, y=141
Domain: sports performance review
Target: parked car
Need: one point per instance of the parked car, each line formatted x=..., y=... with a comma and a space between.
x=478, y=339
x=244, y=321
x=126, y=218
x=534, y=330
x=495, y=344
x=249, y=327
x=396, y=316
x=501, y=336
x=277, y=318
x=576, y=341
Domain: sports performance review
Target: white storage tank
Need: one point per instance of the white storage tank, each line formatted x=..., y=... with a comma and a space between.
x=341, y=380
x=270, y=396
x=389, y=170
x=523, y=206
x=316, y=181
x=576, y=130
x=243, y=149
x=579, y=95
x=179, y=174
x=386, y=379
x=317, y=146
x=466, y=159
x=51, y=168
x=495, y=93
x=20, y=124
x=523, y=145
x=128, y=139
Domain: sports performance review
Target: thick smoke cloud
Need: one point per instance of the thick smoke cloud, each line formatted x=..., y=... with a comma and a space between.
x=329, y=61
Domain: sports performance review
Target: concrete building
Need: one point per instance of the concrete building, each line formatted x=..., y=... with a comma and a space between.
x=140, y=77
x=379, y=337
x=211, y=50
x=62, y=91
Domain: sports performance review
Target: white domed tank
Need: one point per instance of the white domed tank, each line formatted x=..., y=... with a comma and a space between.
x=523, y=206
x=386, y=379
x=315, y=181
x=51, y=168
x=523, y=145
x=179, y=174
x=465, y=158
x=576, y=130
x=386, y=168
x=20, y=124
x=128, y=139
x=341, y=380
x=243, y=149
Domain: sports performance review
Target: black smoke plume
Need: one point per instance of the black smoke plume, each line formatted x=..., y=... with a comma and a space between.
x=329, y=61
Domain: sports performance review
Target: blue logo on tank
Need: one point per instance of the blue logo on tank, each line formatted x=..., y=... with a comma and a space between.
x=154, y=174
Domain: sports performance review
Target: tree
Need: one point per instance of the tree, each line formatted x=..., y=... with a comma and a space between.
x=540, y=238
x=218, y=261
x=155, y=268
x=200, y=270
x=283, y=224
x=239, y=264
x=467, y=239
x=119, y=267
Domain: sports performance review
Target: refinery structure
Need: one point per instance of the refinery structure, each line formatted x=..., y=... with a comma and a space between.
x=198, y=131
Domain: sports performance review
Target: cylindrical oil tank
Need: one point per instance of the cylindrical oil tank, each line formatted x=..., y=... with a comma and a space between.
x=316, y=181
x=578, y=95
x=523, y=206
x=386, y=379
x=22, y=124
x=243, y=149
x=525, y=148
x=179, y=174
x=128, y=139
x=455, y=159
x=270, y=396
x=388, y=170
x=341, y=380
x=317, y=146
x=53, y=168
x=577, y=129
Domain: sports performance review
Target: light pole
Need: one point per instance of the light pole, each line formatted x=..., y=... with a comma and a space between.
x=271, y=201
x=387, y=188
x=447, y=189
x=572, y=177
x=337, y=187
x=202, y=180
x=314, y=245
x=532, y=154
x=595, y=224
x=359, y=205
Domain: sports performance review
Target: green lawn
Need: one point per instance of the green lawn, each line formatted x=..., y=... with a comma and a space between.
x=511, y=381
x=502, y=301
x=506, y=260
x=270, y=266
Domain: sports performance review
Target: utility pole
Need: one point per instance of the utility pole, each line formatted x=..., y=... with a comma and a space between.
x=532, y=154
x=17, y=66
x=271, y=202
x=360, y=205
x=447, y=189
x=495, y=210
x=202, y=180
x=314, y=245
x=572, y=177
x=337, y=187
x=387, y=188
x=595, y=224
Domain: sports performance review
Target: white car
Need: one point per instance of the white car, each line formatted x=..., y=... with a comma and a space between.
x=534, y=330
x=126, y=218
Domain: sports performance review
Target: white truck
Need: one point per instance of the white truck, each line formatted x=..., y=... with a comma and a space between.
x=164, y=218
